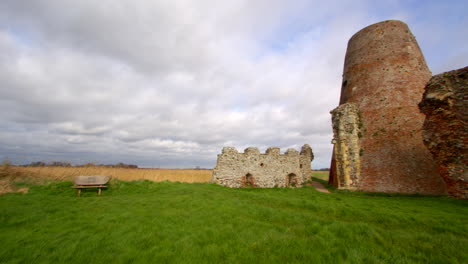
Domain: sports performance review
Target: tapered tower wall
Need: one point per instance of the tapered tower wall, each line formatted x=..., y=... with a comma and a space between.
x=384, y=77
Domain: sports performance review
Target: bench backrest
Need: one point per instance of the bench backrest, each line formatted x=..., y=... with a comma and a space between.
x=91, y=180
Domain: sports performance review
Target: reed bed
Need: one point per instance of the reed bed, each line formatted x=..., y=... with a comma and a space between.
x=157, y=175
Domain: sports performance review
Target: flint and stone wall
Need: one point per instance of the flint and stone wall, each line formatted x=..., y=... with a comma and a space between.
x=269, y=170
x=445, y=130
x=347, y=130
x=378, y=143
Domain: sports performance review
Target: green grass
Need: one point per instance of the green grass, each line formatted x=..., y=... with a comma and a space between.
x=149, y=222
x=323, y=175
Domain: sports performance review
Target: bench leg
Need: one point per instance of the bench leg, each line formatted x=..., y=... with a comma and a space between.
x=99, y=191
x=78, y=192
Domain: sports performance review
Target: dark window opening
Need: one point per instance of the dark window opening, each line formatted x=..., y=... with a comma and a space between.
x=249, y=180
x=291, y=180
x=344, y=92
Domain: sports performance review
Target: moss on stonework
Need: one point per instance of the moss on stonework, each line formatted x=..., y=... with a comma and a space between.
x=360, y=124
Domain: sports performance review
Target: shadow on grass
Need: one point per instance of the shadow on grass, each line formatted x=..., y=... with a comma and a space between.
x=333, y=189
x=117, y=187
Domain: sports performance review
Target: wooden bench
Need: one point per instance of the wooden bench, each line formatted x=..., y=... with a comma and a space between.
x=90, y=182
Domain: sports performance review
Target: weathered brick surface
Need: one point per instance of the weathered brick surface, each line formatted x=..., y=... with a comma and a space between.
x=384, y=76
x=445, y=130
x=272, y=169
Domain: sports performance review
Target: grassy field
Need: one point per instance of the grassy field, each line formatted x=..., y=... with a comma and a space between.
x=167, y=222
x=322, y=175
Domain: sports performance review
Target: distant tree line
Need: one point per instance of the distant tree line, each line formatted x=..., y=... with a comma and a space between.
x=89, y=164
x=323, y=169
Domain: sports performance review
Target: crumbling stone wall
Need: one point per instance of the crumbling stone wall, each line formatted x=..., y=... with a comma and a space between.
x=384, y=77
x=347, y=130
x=445, y=130
x=269, y=170
x=305, y=158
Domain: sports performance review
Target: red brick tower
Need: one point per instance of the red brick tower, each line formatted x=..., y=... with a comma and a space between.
x=377, y=127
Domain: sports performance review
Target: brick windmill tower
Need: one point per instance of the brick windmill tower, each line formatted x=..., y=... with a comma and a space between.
x=378, y=145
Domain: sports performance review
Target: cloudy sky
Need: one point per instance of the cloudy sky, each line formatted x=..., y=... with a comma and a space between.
x=169, y=83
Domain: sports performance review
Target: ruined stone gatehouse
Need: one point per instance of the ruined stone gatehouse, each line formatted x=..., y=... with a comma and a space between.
x=269, y=170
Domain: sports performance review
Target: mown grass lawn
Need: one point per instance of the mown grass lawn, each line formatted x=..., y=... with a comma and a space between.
x=149, y=222
x=323, y=175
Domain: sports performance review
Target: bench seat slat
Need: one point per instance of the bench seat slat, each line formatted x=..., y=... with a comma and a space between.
x=92, y=180
x=89, y=187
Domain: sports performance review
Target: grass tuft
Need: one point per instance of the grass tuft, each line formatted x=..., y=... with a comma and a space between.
x=160, y=222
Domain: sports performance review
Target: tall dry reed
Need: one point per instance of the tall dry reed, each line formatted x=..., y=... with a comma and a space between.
x=68, y=173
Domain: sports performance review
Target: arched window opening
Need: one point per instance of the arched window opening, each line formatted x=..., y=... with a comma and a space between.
x=291, y=180
x=249, y=180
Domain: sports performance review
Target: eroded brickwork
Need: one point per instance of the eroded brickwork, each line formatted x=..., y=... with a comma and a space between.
x=384, y=76
x=445, y=130
x=269, y=170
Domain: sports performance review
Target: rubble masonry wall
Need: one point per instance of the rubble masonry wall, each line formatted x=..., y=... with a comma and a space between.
x=268, y=170
x=445, y=130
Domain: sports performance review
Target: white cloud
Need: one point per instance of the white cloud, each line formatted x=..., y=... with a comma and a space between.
x=169, y=83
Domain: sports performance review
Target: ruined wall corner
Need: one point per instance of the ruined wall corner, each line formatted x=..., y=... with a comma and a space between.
x=445, y=132
x=347, y=150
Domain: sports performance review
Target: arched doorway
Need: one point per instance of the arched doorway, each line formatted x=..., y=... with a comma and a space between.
x=291, y=180
x=249, y=180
